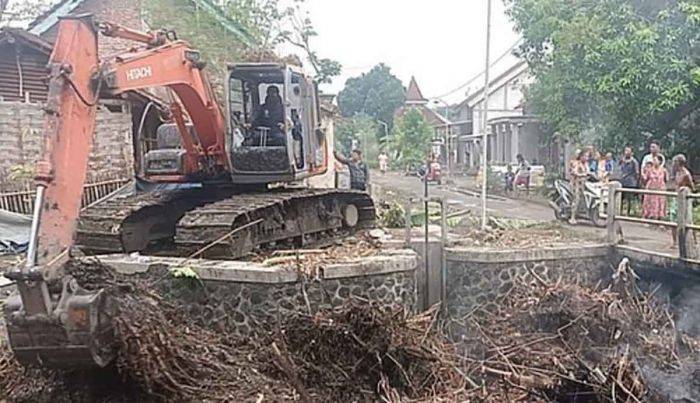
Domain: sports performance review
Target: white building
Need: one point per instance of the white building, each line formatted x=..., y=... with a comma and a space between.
x=512, y=130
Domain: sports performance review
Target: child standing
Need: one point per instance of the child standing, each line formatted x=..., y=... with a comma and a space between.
x=509, y=177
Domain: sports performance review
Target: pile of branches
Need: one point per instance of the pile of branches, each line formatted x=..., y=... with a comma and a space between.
x=162, y=355
x=365, y=353
x=310, y=262
x=357, y=353
x=263, y=55
x=519, y=234
x=563, y=342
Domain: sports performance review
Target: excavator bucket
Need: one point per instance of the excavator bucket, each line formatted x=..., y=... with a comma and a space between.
x=77, y=334
x=51, y=320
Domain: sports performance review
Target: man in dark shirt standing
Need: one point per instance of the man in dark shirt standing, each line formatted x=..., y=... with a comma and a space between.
x=359, y=172
x=629, y=175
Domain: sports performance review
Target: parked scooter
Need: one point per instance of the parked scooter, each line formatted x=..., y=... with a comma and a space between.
x=434, y=173
x=589, y=204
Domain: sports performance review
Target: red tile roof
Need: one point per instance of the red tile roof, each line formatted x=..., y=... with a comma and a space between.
x=433, y=118
x=413, y=94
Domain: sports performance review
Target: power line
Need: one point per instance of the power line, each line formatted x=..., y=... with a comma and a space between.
x=471, y=80
x=519, y=41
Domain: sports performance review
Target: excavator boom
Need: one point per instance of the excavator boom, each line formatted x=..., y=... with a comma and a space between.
x=65, y=329
x=73, y=327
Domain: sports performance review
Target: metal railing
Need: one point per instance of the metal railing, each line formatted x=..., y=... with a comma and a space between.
x=683, y=223
x=22, y=202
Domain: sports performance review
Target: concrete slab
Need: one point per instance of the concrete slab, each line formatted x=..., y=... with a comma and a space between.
x=480, y=255
x=249, y=272
x=399, y=260
x=215, y=270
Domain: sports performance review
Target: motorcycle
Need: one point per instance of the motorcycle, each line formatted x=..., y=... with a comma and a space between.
x=589, y=205
x=434, y=174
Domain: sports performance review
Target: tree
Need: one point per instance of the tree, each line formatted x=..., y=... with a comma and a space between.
x=22, y=10
x=361, y=131
x=300, y=34
x=410, y=137
x=377, y=93
x=611, y=70
x=261, y=25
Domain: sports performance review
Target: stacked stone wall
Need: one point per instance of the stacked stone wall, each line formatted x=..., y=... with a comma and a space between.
x=249, y=299
x=478, y=279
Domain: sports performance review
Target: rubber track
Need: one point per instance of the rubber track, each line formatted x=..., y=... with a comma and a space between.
x=308, y=217
x=203, y=217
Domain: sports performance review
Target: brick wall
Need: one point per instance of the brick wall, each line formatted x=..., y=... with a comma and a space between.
x=21, y=128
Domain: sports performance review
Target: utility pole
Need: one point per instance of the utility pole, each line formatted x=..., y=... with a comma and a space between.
x=485, y=125
x=447, y=137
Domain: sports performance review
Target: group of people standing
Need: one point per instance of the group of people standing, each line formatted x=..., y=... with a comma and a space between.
x=653, y=173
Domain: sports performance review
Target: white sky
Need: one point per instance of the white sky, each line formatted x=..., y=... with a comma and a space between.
x=441, y=42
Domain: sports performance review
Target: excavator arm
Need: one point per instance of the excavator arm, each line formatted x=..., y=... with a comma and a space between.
x=65, y=328
x=73, y=327
x=177, y=66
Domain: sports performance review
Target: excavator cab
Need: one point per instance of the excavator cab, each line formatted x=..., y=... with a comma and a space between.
x=274, y=124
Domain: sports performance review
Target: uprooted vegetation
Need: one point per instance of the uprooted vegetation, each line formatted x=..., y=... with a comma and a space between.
x=360, y=352
x=545, y=341
x=562, y=342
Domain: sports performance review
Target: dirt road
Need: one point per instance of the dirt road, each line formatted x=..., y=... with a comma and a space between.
x=650, y=238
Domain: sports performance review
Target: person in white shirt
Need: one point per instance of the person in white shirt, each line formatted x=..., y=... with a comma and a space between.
x=654, y=151
x=522, y=175
x=383, y=162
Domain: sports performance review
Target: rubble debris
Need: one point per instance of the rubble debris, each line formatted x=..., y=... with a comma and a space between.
x=549, y=341
x=514, y=234
x=162, y=354
x=543, y=341
x=310, y=261
x=360, y=352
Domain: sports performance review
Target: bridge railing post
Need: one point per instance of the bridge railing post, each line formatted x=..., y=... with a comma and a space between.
x=407, y=223
x=613, y=227
x=684, y=217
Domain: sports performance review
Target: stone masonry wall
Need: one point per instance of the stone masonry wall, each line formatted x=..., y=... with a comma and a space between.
x=21, y=129
x=250, y=299
x=247, y=308
x=477, y=278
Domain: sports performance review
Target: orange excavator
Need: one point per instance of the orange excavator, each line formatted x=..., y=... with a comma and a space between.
x=218, y=185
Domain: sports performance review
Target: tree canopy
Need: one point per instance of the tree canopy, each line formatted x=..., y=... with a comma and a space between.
x=17, y=11
x=267, y=23
x=610, y=70
x=377, y=93
x=410, y=138
x=359, y=131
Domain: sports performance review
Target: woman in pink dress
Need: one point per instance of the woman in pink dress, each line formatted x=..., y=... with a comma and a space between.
x=654, y=207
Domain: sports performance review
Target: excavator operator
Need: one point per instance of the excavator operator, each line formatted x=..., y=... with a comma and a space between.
x=268, y=123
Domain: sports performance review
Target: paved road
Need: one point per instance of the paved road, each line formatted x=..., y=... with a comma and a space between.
x=636, y=235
